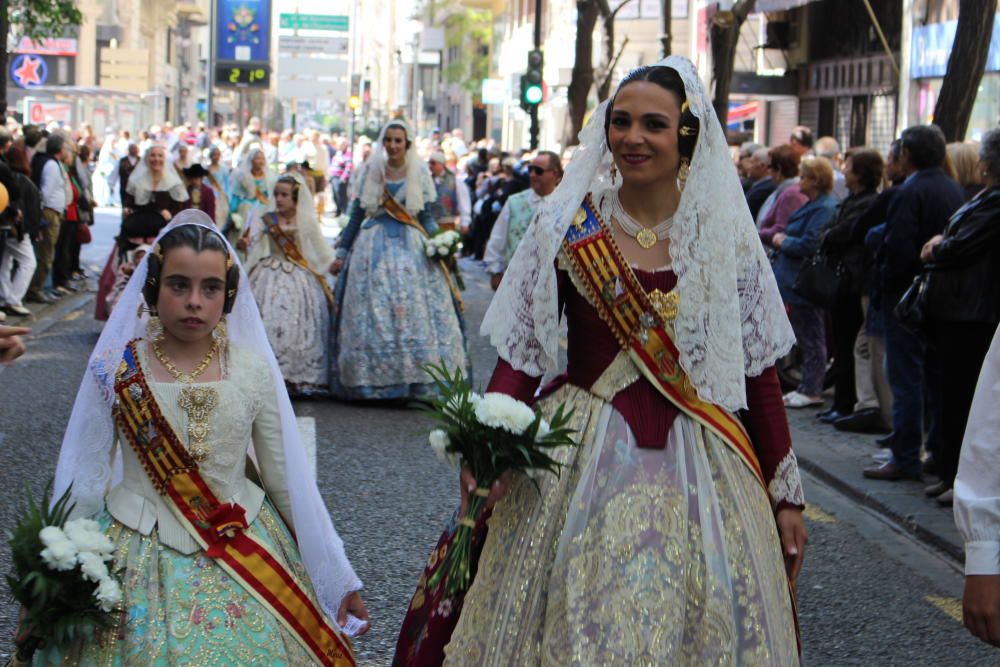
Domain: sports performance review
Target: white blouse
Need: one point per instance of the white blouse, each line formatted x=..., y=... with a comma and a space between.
x=977, y=486
x=246, y=411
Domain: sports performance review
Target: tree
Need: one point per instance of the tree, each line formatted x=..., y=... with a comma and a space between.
x=610, y=60
x=471, y=30
x=965, y=67
x=37, y=19
x=724, y=35
x=582, y=79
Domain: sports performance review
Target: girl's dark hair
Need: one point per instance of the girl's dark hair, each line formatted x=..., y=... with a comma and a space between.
x=288, y=180
x=199, y=239
x=668, y=79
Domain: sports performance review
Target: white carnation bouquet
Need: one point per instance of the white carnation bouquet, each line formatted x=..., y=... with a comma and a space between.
x=492, y=434
x=445, y=246
x=59, y=575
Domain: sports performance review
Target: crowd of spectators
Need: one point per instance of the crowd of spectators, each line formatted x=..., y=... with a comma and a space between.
x=921, y=226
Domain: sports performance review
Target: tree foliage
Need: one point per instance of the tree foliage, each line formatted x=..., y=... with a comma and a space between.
x=39, y=19
x=471, y=31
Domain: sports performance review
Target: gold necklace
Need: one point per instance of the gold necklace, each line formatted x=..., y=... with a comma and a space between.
x=185, y=378
x=197, y=402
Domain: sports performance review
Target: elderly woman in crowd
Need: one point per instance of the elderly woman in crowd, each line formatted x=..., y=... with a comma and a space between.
x=799, y=241
x=963, y=306
x=863, y=174
x=787, y=197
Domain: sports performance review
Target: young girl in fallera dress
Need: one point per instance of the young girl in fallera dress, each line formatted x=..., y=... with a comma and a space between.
x=184, y=364
x=288, y=261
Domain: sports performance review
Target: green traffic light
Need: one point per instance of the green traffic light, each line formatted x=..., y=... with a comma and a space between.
x=533, y=95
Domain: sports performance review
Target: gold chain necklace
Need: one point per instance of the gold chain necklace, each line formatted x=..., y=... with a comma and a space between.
x=185, y=378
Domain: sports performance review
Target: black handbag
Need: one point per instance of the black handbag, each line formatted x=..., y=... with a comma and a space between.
x=821, y=280
x=911, y=311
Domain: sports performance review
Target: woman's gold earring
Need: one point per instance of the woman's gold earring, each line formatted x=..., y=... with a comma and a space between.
x=683, y=173
x=614, y=173
x=222, y=331
x=154, y=328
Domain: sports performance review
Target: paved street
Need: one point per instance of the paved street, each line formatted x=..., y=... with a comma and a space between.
x=869, y=594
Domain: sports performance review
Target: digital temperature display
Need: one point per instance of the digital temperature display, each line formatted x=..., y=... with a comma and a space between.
x=242, y=75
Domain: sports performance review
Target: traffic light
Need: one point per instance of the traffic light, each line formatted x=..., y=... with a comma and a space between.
x=354, y=102
x=531, y=82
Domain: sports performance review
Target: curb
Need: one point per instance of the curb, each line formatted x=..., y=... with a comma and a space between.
x=905, y=522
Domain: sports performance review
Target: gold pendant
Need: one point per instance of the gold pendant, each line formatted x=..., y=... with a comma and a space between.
x=646, y=238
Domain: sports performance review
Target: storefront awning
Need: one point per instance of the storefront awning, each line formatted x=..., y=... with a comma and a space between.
x=742, y=112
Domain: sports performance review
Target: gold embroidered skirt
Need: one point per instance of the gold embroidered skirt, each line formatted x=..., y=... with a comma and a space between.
x=631, y=557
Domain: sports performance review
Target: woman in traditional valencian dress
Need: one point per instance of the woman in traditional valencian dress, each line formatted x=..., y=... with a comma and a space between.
x=191, y=548
x=154, y=195
x=396, y=310
x=252, y=188
x=673, y=532
x=288, y=261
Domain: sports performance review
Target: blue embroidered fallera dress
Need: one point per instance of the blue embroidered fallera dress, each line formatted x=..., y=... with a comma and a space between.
x=393, y=309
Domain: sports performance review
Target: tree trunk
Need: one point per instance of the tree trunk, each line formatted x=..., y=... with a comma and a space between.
x=582, y=79
x=724, y=36
x=604, y=82
x=667, y=37
x=965, y=67
x=4, y=30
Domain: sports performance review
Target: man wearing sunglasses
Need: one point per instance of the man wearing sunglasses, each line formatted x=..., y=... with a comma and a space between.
x=544, y=175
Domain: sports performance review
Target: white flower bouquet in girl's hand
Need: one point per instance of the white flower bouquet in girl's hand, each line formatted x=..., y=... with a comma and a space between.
x=491, y=434
x=445, y=246
x=59, y=575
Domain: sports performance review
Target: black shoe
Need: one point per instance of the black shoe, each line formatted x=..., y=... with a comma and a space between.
x=935, y=490
x=890, y=472
x=862, y=421
x=833, y=416
x=885, y=442
x=824, y=413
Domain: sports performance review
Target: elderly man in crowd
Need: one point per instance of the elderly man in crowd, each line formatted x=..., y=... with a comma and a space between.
x=545, y=173
x=761, y=184
x=919, y=211
x=453, y=207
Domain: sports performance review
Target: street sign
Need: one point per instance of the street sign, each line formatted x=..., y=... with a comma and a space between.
x=332, y=45
x=40, y=113
x=330, y=22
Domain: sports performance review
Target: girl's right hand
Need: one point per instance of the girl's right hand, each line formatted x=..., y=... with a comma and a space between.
x=337, y=265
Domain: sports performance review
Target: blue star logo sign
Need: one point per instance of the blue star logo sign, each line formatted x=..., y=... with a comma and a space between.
x=29, y=71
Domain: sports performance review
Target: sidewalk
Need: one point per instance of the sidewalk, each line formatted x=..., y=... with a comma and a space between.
x=837, y=458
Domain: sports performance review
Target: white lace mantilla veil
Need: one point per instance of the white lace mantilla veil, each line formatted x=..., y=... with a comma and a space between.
x=308, y=235
x=140, y=183
x=85, y=460
x=420, y=188
x=730, y=322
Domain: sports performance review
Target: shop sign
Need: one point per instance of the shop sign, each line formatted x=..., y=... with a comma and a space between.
x=931, y=48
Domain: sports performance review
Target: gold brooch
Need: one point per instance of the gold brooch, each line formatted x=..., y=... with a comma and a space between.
x=665, y=304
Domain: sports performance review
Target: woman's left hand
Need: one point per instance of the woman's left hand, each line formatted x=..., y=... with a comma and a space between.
x=792, y=530
x=778, y=239
x=165, y=214
x=927, y=252
x=353, y=604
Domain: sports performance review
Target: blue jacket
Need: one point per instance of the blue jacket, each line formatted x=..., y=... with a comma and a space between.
x=919, y=210
x=802, y=240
